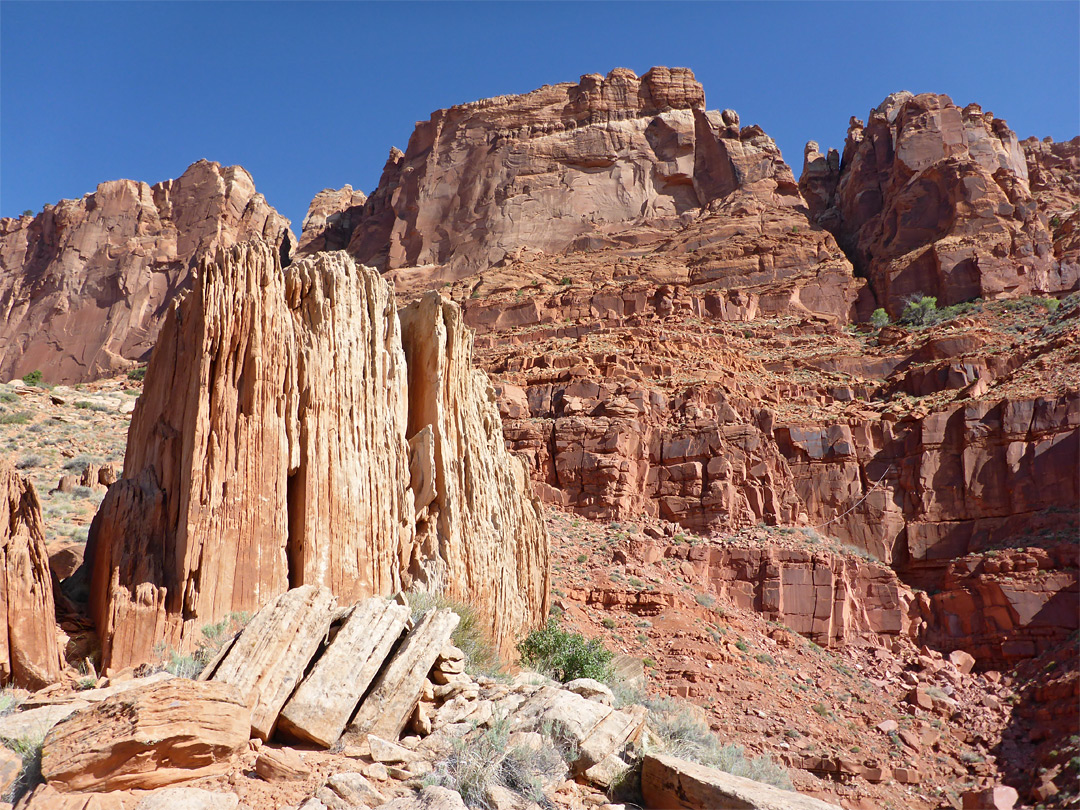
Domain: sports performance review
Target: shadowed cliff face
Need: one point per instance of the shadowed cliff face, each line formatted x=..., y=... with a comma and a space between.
x=84, y=285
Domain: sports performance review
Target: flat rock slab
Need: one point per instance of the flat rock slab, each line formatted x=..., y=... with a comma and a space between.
x=432, y=797
x=37, y=722
x=386, y=710
x=188, y=799
x=148, y=738
x=670, y=783
x=272, y=653
x=323, y=703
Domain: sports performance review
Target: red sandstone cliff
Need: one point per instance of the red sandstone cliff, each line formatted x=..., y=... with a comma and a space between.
x=84, y=285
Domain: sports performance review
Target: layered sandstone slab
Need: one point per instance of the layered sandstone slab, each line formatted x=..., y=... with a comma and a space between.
x=270, y=657
x=271, y=449
x=932, y=199
x=148, y=737
x=386, y=709
x=673, y=784
x=86, y=284
x=321, y=707
x=29, y=656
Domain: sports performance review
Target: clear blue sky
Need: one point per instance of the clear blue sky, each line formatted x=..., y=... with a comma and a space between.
x=312, y=95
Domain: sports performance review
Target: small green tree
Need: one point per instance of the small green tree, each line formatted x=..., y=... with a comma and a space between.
x=565, y=656
x=880, y=318
x=32, y=378
x=921, y=311
x=28, y=212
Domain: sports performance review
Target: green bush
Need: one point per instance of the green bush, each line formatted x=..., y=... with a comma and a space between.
x=137, y=374
x=880, y=318
x=565, y=656
x=32, y=378
x=921, y=311
x=15, y=418
x=29, y=749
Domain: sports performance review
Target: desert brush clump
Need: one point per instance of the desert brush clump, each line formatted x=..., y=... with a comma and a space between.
x=476, y=766
x=683, y=733
x=28, y=748
x=564, y=655
x=481, y=656
x=214, y=637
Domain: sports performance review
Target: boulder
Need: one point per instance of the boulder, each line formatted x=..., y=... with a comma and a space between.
x=998, y=797
x=670, y=783
x=272, y=653
x=393, y=697
x=323, y=703
x=348, y=791
x=10, y=768
x=29, y=656
x=963, y=661
x=281, y=765
x=147, y=738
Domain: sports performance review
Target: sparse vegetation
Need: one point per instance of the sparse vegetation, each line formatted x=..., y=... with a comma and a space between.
x=481, y=657
x=880, y=318
x=14, y=418
x=565, y=656
x=29, y=749
x=477, y=765
x=29, y=461
x=685, y=735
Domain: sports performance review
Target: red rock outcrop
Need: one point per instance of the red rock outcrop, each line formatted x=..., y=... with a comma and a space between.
x=1054, y=177
x=289, y=389
x=331, y=218
x=619, y=161
x=84, y=285
x=932, y=199
x=29, y=657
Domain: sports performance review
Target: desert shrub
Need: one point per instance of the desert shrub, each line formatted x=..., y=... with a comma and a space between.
x=683, y=734
x=29, y=461
x=214, y=636
x=29, y=749
x=565, y=281
x=7, y=396
x=137, y=374
x=704, y=599
x=87, y=405
x=14, y=417
x=32, y=377
x=470, y=636
x=920, y=311
x=565, y=656
x=475, y=766
x=184, y=666
x=880, y=318
x=9, y=701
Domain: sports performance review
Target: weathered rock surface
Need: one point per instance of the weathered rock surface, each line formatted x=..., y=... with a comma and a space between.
x=331, y=217
x=289, y=388
x=932, y=199
x=146, y=738
x=669, y=783
x=491, y=550
x=29, y=656
x=10, y=767
x=188, y=799
x=321, y=707
x=431, y=797
x=398, y=688
x=85, y=284
x=272, y=653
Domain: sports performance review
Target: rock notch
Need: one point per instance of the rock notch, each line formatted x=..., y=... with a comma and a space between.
x=291, y=389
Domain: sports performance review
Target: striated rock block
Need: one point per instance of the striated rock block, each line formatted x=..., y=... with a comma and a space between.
x=289, y=388
x=188, y=799
x=272, y=653
x=345, y=791
x=397, y=690
x=10, y=768
x=29, y=656
x=488, y=550
x=676, y=784
x=149, y=737
x=323, y=703
x=281, y=765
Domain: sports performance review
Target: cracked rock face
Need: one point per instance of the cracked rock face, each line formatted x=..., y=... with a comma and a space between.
x=85, y=284
x=270, y=449
x=932, y=199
